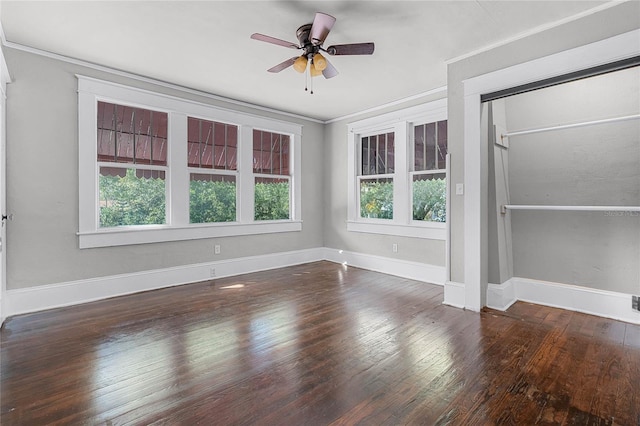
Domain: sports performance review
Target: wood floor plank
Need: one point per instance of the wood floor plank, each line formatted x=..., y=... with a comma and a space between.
x=315, y=344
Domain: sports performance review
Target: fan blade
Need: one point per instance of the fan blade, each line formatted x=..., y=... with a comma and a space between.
x=320, y=28
x=330, y=71
x=351, y=49
x=273, y=40
x=284, y=65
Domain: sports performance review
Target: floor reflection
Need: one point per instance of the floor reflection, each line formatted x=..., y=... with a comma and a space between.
x=131, y=367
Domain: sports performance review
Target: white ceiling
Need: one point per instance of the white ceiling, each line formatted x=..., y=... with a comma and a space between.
x=205, y=45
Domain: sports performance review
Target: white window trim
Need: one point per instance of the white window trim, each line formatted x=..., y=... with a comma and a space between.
x=178, y=228
x=398, y=122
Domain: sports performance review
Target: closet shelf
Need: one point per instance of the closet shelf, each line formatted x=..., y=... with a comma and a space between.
x=570, y=126
x=506, y=207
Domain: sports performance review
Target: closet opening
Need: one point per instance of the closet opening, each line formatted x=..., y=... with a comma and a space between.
x=564, y=181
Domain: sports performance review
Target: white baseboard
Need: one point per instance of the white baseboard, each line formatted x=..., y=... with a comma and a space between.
x=402, y=268
x=501, y=296
x=43, y=297
x=38, y=298
x=454, y=294
x=591, y=301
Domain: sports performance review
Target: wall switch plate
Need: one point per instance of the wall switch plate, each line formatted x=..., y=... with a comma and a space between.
x=459, y=188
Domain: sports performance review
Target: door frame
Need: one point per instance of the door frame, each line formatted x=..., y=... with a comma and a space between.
x=4, y=80
x=475, y=167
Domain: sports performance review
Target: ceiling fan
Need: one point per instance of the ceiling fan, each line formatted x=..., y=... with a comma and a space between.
x=310, y=39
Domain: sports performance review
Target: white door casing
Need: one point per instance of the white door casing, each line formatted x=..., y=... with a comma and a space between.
x=4, y=79
x=599, y=53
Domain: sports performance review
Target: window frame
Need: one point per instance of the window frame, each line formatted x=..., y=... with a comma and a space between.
x=360, y=176
x=214, y=171
x=133, y=165
x=263, y=175
x=413, y=172
x=401, y=123
x=177, y=228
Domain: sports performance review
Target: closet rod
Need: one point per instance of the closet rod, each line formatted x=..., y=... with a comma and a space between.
x=569, y=126
x=506, y=207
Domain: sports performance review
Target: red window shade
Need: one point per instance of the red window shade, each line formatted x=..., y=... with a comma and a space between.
x=150, y=174
x=131, y=135
x=211, y=178
x=212, y=145
x=271, y=180
x=270, y=153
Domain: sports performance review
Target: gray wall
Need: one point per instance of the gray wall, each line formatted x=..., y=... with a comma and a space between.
x=42, y=190
x=594, y=165
x=610, y=22
x=335, y=226
x=42, y=170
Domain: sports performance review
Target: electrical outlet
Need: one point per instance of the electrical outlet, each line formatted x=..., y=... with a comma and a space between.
x=394, y=248
x=212, y=272
x=216, y=249
x=635, y=303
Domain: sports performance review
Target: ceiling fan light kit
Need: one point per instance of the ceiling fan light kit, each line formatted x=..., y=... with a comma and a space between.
x=319, y=62
x=310, y=38
x=300, y=64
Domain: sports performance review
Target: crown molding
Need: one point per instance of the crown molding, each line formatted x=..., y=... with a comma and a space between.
x=141, y=78
x=537, y=30
x=208, y=95
x=390, y=104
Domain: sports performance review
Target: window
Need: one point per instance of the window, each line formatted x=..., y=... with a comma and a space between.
x=429, y=175
x=212, y=150
x=132, y=165
x=398, y=173
x=271, y=175
x=156, y=168
x=375, y=181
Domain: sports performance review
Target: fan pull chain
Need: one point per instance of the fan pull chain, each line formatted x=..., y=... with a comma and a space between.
x=311, y=77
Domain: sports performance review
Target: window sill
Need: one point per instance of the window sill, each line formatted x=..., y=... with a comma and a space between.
x=127, y=236
x=432, y=231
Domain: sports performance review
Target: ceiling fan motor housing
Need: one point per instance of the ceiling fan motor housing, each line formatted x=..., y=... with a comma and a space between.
x=302, y=34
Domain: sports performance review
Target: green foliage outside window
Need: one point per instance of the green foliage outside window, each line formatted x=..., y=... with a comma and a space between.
x=430, y=200
x=376, y=199
x=130, y=200
x=212, y=201
x=271, y=201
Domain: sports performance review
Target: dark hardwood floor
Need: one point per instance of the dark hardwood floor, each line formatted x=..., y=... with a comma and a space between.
x=315, y=344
